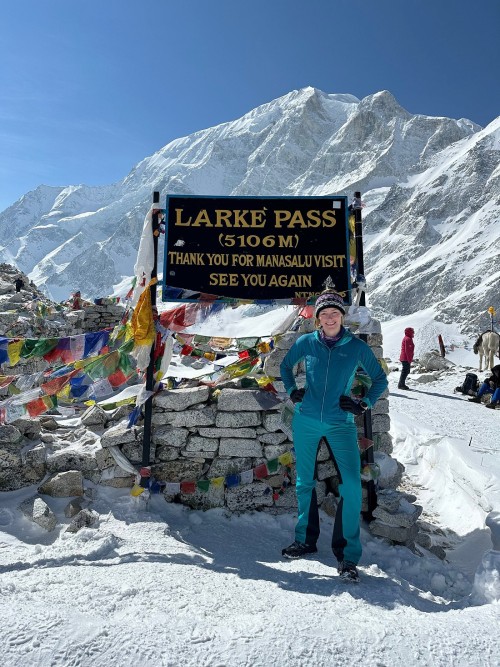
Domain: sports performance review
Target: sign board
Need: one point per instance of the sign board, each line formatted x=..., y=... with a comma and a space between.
x=255, y=248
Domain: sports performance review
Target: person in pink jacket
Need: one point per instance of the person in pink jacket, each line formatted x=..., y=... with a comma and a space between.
x=406, y=357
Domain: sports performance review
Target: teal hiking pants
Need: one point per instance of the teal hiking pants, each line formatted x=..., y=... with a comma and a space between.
x=342, y=441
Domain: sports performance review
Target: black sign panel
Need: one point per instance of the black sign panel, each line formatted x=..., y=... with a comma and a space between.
x=257, y=248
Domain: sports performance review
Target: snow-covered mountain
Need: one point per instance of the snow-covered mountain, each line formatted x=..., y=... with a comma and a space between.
x=431, y=186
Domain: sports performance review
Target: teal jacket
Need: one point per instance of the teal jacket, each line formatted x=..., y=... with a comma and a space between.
x=330, y=373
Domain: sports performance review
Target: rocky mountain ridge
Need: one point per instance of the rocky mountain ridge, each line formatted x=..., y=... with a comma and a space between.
x=430, y=185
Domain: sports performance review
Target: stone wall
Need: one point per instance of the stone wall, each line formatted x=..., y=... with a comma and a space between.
x=201, y=433
x=93, y=318
x=22, y=322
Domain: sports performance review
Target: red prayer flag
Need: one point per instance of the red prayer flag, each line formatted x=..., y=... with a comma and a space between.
x=36, y=407
x=188, y=487
x=117, y=378
x=55, y=385
x=260, y=471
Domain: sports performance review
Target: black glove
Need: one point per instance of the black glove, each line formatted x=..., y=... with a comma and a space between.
x=349, y=405
x=297, y=395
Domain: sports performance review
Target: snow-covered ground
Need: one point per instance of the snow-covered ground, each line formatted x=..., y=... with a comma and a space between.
x=164, y=585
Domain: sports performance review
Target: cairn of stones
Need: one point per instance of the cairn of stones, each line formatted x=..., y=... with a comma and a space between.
x=30, y=314
x=199, y=433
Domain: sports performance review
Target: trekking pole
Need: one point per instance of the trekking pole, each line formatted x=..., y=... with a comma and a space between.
x=360, y=279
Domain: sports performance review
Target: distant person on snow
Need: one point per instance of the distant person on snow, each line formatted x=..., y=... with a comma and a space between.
x=76, y=303
x=490, y=386
x=324, y=409
x=19, y=283
x=406, y=357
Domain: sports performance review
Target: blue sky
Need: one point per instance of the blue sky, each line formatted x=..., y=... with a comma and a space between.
x=88, y=88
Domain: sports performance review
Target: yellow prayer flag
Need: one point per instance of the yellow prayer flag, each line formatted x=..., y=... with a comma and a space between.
x=142, y=319
x=264, y=379
x=286, y=459
x=217, y=481
x=14, y=351
x=64, y=392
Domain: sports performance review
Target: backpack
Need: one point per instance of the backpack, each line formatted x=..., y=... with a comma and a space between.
x=469, y=385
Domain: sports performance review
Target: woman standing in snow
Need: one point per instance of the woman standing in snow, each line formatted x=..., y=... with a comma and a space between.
x=324, y=409
x=406, y=357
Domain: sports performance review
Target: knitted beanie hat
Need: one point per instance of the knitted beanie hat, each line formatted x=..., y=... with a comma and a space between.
x=329, y=300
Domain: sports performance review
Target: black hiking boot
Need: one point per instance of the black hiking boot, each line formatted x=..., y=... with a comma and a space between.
x=348, y=571
x=476, y=399
x=404, y=387
x=298, y=550
x=493, y=406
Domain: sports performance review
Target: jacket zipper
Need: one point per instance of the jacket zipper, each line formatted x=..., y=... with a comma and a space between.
x=326, y=383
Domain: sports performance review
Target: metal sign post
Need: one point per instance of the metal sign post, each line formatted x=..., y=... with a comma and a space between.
x=360, y=279
x=148, y=406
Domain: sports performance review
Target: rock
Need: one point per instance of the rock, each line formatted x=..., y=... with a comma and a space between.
x=272, y=363
x=108, y=479
x=172, y=436
x=181, y=399
x=165, y=453
x=134, y=451
x=10, y=437
x=204, y=500
x=326, y=469
x=237, y=419
x=405, y=515
x=249, y=496
x=287, y=500
x=271, y=421
x=221, y=467
x=383, y=443
x=95, y=416
x=214, y=432
x=240, y=447
x=426, y=378
x=37, y=510
x=176, y=471
x=391, y=471
x=388, y=499
x=272, y=438
x=120, y=413
x=330, y=504
x=72, y=458
x=236, y=400
x=63, y=484
x=103, y=458
x=187, y=419
x=83, y=519
x=30, y=428
x=119, y=435
x=36, y=457
x=15, y=474
x=432, y=361
x=424, y=539
x=397, y=534
x=49, y=423
x=73, y=507
x=438, y=551
x=273, y=451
